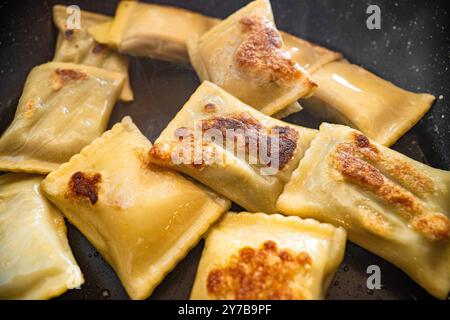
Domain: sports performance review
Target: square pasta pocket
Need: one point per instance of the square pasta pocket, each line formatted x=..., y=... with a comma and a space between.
x=232, y=148
x=63, y=108
x=141, y=218
x=151, y=30
x=77, y=46
x=255, y=256
x=245, y=55
x=389, y=204
x=351, y=95
x=35, y=258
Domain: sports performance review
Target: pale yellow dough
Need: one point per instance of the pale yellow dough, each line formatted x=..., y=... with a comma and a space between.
x=77, y=46
x=63, y=108
x=141, y=218
x=35, y=258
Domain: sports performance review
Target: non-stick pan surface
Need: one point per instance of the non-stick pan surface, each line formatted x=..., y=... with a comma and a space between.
x=412, y=49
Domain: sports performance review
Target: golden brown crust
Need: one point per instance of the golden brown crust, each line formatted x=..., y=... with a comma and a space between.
x=285, y=137
x=239, y=121
x=266, y=273
x=84, y=185
x=433, y=223
x=239, y=125
x=403, y=172
x=30, y=108
x=160, y=152
x=358, y=171
x=61, y=77
x=356, y=161
x=375, y=222
x=287, y=140
x=408, y=176
x=261, y=55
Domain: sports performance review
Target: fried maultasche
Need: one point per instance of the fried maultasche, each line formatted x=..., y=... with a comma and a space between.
x=142, y=219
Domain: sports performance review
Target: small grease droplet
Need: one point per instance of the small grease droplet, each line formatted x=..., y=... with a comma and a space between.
x=346, y=268
x=105, y=293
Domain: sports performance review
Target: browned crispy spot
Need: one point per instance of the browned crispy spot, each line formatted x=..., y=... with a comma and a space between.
x=160, y=152
x=84, y=185
x=61, y=77
x=98, y=48
x=375, y=222
x=435, y=224
x=360, y=146
x=407, y=175
x=254, y=133
x=143, y=158
x=241, y=121
x=357, y=159
x=361, y=140
x=240, y=126
x=30, y=108
x=287, y=139
x=210, y=108
x=359, y=171
x=261, y=55
x=266, y=273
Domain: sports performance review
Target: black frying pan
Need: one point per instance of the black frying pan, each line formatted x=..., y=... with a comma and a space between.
x=412, y=49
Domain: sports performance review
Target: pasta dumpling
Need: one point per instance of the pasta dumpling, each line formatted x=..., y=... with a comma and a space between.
x=232, y=148
x=353, y=96
x=35, y=258
x=244, y=55
x=142, y=219
x=77, y=46
x=63, y=107
x=255, y=256
x=151, y=30
x=389, y=204
x=163, y=32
